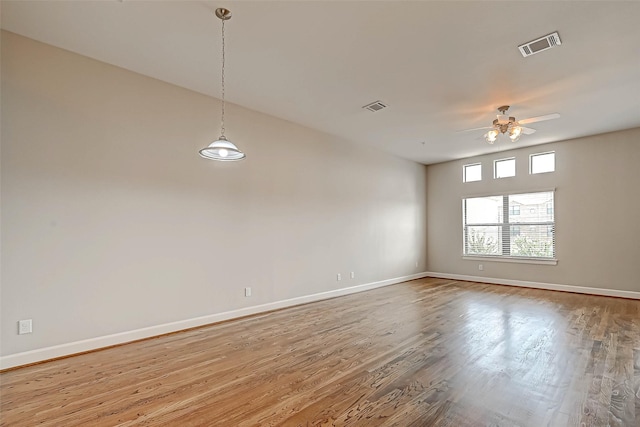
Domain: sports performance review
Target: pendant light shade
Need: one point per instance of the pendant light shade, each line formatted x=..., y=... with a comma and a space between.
x=222, y=150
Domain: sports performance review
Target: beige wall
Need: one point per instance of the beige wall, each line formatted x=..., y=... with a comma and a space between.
x=112, y=222
x=597, y=203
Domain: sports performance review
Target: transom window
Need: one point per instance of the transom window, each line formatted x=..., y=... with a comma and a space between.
x=542, y=162
x=504, y=168
x=510, y=226
x=472, y=172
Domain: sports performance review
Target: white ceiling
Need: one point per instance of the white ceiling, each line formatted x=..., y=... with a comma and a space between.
x=440, y=66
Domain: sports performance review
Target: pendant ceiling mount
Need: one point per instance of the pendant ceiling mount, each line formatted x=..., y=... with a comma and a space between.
x=223, y=13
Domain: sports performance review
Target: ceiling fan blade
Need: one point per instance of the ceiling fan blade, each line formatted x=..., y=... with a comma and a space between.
x=470, y=130
x=539, y=119
x=527, y=131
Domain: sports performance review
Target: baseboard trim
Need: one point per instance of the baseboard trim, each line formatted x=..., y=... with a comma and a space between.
x=68, y=349
x=539, y=285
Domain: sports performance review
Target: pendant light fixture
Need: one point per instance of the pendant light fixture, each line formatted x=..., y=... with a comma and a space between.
x=222, y=149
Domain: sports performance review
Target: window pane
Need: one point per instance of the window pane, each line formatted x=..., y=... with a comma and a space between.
x=472, y=172
x=532, y=241
x=482, y=240
x=484, y=210
x=543, y=162
x=510, y=225
x=505, y=168
x=531, y=207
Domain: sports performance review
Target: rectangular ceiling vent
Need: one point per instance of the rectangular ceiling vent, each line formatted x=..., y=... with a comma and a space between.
x=538, y=45
x=375, y=106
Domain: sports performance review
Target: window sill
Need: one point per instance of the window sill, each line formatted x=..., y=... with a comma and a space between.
x=546, y=261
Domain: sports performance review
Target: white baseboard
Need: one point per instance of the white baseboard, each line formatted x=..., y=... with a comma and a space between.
x=47, y=353
x=539, y=285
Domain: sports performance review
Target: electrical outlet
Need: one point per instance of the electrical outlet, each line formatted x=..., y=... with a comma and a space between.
x=339, y=277
x=416, y=263
x=353, y=275
x=247, y=292
x=25, y=326
x=480, y=267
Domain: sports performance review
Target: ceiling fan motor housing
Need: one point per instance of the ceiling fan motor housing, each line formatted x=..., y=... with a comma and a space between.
x=503, y=122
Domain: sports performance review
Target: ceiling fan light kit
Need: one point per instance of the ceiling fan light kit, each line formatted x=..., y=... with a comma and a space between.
x=509, y=126
x=504, y=124
x=514, y=133
x=491, y=136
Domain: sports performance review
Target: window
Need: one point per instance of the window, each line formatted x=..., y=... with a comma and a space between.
x=491, y=227
x=504, y=168
x=542, y=162
x=472, y=172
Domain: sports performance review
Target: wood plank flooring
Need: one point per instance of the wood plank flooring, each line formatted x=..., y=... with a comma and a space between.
x=429, y=352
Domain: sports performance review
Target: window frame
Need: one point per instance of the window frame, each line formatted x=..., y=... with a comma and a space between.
x=506, y=225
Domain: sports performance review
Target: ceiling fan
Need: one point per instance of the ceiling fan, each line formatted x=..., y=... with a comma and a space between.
x=506, y=124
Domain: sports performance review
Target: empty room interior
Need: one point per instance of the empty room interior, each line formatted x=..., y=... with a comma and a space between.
x=347, y=213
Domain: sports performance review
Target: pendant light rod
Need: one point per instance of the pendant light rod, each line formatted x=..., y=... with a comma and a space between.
x=224, y=15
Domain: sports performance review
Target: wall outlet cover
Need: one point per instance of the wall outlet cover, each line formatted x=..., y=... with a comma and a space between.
x=25, y=326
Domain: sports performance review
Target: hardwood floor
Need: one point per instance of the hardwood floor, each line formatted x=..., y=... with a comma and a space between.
x=430, y=352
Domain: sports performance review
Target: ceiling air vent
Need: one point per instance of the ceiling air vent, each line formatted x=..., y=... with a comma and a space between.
x=538, y=45
x=375, y=106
